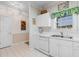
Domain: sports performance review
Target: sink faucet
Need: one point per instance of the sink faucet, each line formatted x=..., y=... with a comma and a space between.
x=62, y=34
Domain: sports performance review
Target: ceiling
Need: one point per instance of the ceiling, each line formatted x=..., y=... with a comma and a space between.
x=23, y=5
x=39, y=4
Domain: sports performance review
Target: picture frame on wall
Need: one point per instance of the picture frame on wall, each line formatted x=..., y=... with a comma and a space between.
x=63, y=5
x=23, y=25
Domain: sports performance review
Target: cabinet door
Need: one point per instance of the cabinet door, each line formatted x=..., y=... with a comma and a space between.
x=65, y=48
x=5, y=40
x=38, y=20
x=53, y=47
x=5, y=31
x=43, y=20
x=34, y=41
x=75, y=49
x=43, y=44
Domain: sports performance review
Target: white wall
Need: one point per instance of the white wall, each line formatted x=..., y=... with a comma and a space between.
x=17, y=16
x=32, y=28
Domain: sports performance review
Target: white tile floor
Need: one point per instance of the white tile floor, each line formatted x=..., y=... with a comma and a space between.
x=20, y=50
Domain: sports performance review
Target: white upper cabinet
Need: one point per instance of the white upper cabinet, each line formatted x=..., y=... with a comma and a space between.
x=43, y=20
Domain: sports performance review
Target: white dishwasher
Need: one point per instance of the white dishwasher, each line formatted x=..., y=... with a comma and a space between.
x=44, y=44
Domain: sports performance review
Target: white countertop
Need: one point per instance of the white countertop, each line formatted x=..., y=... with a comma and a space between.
x=46, y=34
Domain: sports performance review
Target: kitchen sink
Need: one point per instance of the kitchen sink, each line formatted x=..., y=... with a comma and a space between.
x=56, y=36
x=61, y=36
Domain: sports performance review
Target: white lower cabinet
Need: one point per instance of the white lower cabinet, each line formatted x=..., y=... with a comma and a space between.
x=65, y=48
x=44, y=44
x=53, y=47
x=75, y=49
x=60, y=48
x=34, y=41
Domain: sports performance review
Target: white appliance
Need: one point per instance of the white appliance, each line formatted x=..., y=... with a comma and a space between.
x=44, y=44
x=43, y=20
x=5, y=31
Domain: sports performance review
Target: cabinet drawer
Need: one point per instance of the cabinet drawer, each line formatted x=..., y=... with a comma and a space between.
x=75, y=44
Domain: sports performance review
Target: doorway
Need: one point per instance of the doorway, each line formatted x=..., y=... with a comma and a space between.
x=6, y=38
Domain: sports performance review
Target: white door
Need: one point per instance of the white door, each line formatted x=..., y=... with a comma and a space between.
x=5, y=31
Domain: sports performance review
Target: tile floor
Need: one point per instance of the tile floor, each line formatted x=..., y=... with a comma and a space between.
x=20, y=50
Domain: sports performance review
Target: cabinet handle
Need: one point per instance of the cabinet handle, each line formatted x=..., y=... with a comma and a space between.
x=43, y=37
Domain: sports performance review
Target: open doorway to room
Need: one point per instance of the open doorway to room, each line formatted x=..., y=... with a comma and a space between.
x=24, y=28
x=22, y=34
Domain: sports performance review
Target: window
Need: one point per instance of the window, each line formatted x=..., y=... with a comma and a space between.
x=65, y=22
